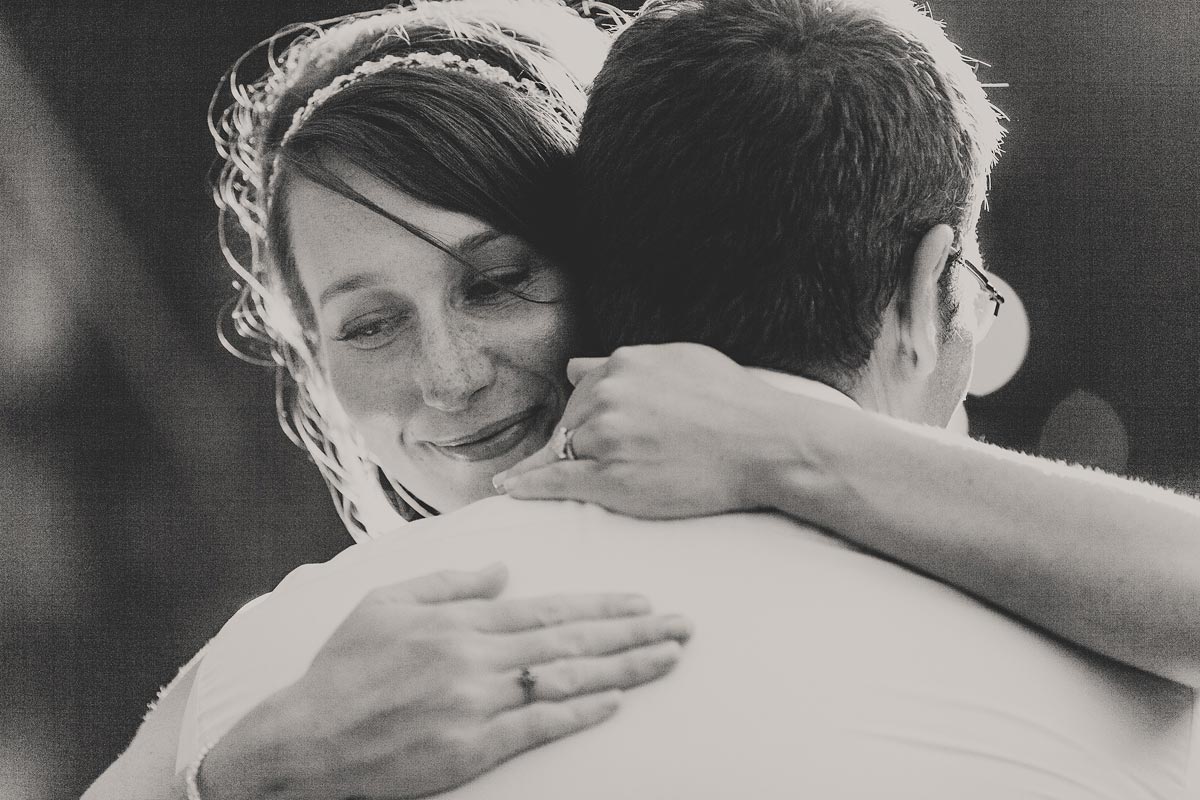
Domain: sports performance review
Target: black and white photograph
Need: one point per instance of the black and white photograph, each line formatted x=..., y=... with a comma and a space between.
x=654, y=400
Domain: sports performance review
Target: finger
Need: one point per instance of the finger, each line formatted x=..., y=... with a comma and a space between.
x=572, y=677
x=449, y=585
x=589, y=639
x=525, y=728
x=580, y=408
x=541, y=458
x=578, y=367
x=584, y=480
x=584, y=443
x=584, y=400
x=528, y=613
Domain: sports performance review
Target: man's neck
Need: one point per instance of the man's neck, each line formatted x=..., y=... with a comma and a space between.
x=806, y=386
x=872, y=392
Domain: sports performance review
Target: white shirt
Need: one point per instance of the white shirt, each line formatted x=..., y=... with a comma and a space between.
x=816, y=670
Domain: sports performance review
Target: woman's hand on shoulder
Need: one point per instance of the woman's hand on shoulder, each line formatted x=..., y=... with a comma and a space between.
x=660, y=431
x=420, y=689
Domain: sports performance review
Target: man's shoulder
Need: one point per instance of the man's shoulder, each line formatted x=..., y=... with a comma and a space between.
x=494, y=516
x=519, y=527
x=549, y=547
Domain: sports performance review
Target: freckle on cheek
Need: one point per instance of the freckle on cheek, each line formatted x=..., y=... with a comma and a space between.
x=363, y=394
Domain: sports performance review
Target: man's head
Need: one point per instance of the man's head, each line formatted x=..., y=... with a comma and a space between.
x=785, y=180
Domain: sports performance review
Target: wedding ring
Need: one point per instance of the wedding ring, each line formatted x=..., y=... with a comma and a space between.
x=527, y=681
x=563, y=448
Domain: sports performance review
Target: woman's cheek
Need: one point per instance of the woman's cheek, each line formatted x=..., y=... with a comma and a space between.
x=368, y=385
x=378, y=400
x=549, y=339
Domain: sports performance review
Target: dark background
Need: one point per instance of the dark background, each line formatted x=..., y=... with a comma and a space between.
x=145, y=490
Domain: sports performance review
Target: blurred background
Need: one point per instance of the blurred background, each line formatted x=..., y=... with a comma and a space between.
x=145, y=489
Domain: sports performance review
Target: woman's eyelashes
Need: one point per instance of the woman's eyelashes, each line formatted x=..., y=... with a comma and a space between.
x=370, y=331
x=499, y=283
x=491, y=288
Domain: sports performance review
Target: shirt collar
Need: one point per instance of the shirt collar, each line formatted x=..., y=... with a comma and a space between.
x=806, y=386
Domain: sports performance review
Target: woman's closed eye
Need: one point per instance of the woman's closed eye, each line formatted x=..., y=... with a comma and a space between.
x=370, y=330
x=500, y=283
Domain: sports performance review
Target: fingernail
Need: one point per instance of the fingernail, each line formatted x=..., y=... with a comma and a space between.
x=670, y=652
x=498, y=483
x=681, y=628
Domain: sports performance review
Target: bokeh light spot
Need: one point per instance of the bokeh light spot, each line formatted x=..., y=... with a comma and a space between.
x=1000, y=355
x=1085, y=429
x=27, y=766
x=38, y=349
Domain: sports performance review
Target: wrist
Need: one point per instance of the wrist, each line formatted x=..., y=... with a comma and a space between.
x=260, y=758
x=802, y=473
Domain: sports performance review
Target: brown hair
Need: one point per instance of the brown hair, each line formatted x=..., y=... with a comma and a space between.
x=452, y=139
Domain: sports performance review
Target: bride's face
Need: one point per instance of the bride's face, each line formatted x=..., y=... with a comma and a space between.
x=449, y=378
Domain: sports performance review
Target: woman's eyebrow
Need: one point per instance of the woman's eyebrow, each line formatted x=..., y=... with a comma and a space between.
x=470, y=244
x=349, y=284
x=466, y=246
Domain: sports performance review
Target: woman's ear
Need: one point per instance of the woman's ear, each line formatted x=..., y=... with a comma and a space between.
x=919, y=318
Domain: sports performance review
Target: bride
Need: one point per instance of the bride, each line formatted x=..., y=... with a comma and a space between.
x=428, y=149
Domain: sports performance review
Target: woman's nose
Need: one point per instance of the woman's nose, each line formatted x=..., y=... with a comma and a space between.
x=454, y=369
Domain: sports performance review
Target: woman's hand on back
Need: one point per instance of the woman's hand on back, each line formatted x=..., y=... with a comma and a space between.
x=419, y=689
x=662, y=431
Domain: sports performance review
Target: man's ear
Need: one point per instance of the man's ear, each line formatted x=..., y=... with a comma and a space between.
x=920, y=317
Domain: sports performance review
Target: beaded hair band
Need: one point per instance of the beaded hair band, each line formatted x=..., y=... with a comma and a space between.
x=448, y=61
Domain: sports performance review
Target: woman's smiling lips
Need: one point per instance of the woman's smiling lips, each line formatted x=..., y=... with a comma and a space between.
x=490, y=441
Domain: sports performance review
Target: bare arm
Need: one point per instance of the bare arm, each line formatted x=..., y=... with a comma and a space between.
x=680, y=430
x=1108, y=563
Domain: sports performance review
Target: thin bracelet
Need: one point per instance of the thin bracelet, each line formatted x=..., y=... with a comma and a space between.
x=191, y=778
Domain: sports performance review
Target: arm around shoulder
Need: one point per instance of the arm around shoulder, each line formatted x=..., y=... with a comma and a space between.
x=1109, y=563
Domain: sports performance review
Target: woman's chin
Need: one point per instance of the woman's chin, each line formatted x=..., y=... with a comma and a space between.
x=457, y=483
x=448, y=479
x=470, y=489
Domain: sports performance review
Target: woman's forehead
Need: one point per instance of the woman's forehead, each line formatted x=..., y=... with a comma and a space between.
x=340, y=245
x=331, y=233
x=315, y=208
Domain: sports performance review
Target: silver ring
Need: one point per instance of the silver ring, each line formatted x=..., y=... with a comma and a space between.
x=563, y=447
x=528, y=682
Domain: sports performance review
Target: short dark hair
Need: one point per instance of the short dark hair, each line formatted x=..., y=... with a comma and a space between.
x=754, y=175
